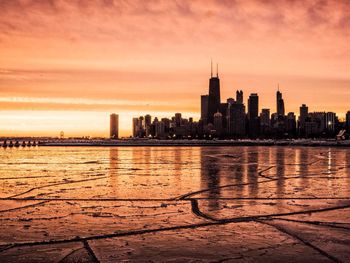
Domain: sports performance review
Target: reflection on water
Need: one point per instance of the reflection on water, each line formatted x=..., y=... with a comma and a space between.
x=210, y=177
x=169, y=172
x=113, y=196
x=280, y=168
x=113, y=170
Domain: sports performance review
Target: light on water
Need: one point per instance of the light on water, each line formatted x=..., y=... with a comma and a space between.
x=127, y=200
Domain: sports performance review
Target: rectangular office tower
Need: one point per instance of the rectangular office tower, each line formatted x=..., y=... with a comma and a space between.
x=204, y=109
x=114, y=126
x=253, y=117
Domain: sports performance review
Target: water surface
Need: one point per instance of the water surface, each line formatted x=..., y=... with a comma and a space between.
x=215, y=203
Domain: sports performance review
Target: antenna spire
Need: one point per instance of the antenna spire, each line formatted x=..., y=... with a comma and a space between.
x=278, y=86
x=217, y=70
x=211, y=68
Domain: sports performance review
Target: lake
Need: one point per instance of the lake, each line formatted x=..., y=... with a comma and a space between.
x=178, y=204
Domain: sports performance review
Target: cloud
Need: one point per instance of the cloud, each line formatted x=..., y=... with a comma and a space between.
x=159, y=50
x=83, y=19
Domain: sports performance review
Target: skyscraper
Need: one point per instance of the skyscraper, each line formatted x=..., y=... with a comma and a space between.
x=303, y=114
x=135, y=127
x=178, y=119
x=114, y=126
x=253, y=118
x=236, y=119
x=214, y=95
x=265, y=122
x=279, y=104
x=316, y=120
x=148, y=122
x=291, y=124
x=265, y=117
x=204, y=109
x=253, y=106
x=239, y=96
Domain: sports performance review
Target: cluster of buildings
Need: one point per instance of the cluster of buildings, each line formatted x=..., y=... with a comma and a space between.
x=234, y=119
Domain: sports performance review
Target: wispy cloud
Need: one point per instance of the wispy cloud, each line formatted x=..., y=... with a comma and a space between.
x=158, y=50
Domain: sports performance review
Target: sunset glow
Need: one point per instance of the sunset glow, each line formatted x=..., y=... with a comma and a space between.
x=66, y=65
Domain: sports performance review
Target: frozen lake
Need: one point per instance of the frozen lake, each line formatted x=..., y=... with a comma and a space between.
x=175, y=204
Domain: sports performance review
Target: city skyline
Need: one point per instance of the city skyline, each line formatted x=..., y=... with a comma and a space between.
x=66, y=65
x=229, y=120
x=196, y=116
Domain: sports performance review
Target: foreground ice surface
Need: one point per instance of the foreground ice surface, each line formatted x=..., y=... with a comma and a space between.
x=175, y=204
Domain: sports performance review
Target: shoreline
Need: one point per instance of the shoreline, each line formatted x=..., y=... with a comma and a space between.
x=175, y=143
x=200, y=143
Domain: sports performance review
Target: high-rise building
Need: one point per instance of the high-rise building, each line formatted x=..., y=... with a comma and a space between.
x=253, y=118
x=148, y=120
x=279, y=104
x=319, y=123
x=148, y=123
x=291, y=124
x=214, y=96
x=166, y=122
x=265, y=122
x=303, y=115
x=253, y=106
x=239, y=96
x=159, y=128
x=178, y=119
x=265, y=117
x=204, y=109
x=114, y=126
x=236, y=123
x=135, y=127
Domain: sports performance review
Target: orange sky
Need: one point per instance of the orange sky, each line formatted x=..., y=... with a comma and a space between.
x=66, y=65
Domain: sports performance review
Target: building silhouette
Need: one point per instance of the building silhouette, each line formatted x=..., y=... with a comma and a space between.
x=279, y=103
x=230, y=120
x=204, y=109
x=347, y=122
x=291, y=125
x=236, y=119
x=253, y=117
x=114, y=126
x=239, y=96
x=265, y=122
x=303, y=115
x=214, y=96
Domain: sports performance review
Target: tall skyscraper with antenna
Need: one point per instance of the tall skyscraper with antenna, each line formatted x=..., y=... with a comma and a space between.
x=214, y=95
x=279, y=103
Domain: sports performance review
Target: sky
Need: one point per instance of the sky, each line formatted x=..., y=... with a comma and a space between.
x=66, y=65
